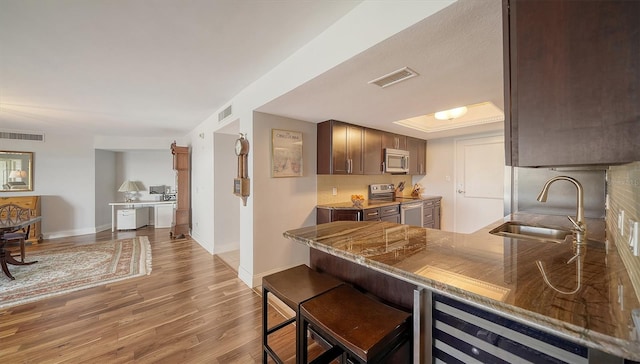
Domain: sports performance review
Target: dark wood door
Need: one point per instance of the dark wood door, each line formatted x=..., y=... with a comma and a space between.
x=355, y=151
x=346, y=215
x=572, y=82
x=373, y=153
x=417, y=156
x=394, y=141
x=339, y=148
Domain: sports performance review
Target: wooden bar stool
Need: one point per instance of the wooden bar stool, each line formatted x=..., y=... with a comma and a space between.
x=292, y=286
x=360, y=328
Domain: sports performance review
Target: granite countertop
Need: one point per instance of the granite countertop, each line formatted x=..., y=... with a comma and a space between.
x=500, y=274
x=368, y=204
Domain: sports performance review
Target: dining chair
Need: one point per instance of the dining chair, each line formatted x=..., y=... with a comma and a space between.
x=17, y=213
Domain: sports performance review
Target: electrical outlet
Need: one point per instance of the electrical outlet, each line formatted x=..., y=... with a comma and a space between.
x=335, y=191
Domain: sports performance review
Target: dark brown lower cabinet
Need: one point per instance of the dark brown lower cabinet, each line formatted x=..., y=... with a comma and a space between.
x=389, y=213
x=431, y=218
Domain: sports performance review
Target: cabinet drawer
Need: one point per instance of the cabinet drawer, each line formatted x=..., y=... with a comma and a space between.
x=372, y=214
x=390, y=210
x=428, y=217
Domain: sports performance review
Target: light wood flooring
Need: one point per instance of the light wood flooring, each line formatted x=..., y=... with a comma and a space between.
x=192, y=308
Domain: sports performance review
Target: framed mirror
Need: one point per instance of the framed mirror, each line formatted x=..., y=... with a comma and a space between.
x=16, y=171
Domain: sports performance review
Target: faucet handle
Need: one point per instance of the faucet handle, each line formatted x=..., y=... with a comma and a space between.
x=579, y=225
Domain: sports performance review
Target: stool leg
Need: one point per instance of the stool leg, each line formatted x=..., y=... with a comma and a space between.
x=299, y=332
x=265, y=307
x=302, y=339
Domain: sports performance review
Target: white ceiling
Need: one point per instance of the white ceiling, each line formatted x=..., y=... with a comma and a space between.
x=159, y=68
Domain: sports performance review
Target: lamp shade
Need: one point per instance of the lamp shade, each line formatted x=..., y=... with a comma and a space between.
x=18, y=174
x=128, y=186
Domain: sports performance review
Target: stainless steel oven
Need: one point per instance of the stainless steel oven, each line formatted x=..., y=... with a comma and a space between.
x=411, y=213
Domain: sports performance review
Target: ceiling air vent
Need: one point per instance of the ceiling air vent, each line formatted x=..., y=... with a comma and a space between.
x=224, y=113
x=22, y=135
x=394, y=77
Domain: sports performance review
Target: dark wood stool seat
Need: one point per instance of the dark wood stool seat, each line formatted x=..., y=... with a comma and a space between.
x=292, y=286
x=366, y=330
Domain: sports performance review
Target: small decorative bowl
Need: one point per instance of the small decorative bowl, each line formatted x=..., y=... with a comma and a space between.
x=357, y=201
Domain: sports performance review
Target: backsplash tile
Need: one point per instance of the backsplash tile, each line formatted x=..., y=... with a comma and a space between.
x=623, y=188
x=354, y=185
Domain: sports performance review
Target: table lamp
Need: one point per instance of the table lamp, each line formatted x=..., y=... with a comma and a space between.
x=127, y=187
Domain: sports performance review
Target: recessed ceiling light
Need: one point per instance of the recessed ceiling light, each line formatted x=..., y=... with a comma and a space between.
x=451, y=113
x=482, y=113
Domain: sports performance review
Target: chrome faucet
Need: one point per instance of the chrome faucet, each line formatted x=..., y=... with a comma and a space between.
x=579, y=233
x=579, y=224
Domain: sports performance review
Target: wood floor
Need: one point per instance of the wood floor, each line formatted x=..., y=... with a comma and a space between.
x=192, y=308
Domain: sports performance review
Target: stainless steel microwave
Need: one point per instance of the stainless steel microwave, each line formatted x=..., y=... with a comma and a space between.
x=396, y=161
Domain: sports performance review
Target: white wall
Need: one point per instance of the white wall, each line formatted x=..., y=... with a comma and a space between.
x=440, y=177
x=281, y=204
x=106, y=186
x=226, y=204
x=146, y=168
x=64, y=175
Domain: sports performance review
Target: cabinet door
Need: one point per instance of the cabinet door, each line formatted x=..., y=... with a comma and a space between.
x=417, y=156
x=391, y=218
x=373, y=152
x=572, y=82
x=436, y=216
x=346, y=215
x=355, y=150
x=394, y=141
x=339, y=148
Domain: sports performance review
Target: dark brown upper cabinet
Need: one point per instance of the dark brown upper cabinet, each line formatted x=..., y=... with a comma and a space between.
x=339, y=148
x=572, y=82
x=373, y=152
x=417, y=156
x=394, y=141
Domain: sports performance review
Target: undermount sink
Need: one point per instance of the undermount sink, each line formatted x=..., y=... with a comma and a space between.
x=515, y=229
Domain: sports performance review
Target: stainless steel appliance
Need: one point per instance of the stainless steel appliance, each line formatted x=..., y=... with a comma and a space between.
x=382, y=192
x=411, y=213
x=411, y=210
x=396, y=161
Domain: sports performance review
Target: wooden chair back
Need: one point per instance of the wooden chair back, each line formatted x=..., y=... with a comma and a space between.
x=14, y=212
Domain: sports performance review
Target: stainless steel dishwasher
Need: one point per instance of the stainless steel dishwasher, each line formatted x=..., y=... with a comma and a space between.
x=411, y=213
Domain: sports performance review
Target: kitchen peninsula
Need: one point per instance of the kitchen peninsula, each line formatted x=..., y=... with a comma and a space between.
x=495, y=278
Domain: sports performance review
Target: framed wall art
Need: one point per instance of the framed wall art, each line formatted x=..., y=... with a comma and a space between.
x=286, y=153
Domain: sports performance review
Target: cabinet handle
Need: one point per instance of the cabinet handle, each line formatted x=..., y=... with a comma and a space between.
x=382, y=167
x=372, y=214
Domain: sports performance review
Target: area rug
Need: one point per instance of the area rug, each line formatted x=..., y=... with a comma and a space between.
x=63, y=270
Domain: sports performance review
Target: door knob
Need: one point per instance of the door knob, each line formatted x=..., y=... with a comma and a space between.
x=460, y=191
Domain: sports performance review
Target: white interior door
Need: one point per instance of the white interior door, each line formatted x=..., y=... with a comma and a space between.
x=479, y=183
